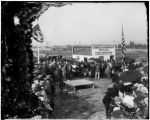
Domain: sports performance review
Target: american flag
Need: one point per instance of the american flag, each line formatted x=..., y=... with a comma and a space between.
x=123, y=44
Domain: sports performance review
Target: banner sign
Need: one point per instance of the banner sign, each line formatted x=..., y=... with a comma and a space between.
x=101, y=51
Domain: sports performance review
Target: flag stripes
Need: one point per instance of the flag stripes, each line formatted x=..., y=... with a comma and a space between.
x=123, y=44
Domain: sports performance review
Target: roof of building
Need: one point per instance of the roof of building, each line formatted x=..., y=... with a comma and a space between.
x=103, y=46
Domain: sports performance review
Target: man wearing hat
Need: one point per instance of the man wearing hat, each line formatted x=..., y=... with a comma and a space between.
x=97, y=71
x=48, y=89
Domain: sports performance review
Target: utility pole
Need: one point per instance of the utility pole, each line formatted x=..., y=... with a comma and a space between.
x=72, y=50
x=134, y=46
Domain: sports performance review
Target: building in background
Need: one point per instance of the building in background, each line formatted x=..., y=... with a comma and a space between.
x=81, y=53
x=84, y=53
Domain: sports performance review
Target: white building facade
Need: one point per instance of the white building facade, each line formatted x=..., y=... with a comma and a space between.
x=81, y=57
x=105, y=52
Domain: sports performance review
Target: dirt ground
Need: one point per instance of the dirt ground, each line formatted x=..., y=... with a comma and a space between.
x=83, y=104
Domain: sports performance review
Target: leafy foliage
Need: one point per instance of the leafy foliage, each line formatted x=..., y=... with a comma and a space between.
x=17, y=64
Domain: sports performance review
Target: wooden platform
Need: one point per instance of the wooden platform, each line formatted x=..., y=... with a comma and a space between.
x=77, y=83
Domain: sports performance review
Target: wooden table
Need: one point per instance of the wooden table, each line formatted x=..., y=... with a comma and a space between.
x=77, y=83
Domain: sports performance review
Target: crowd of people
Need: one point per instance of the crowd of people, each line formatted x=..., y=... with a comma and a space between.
x=51, y=73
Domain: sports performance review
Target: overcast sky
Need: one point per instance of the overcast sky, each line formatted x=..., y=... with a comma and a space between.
x=94, y=23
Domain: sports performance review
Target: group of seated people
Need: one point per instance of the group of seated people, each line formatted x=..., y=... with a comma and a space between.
x=128, y=99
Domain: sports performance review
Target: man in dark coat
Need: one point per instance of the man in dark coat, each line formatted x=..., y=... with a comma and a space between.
x=49, y=89
x=69, y=71
x=97, y=71
x=102, y=70
x=59, y=77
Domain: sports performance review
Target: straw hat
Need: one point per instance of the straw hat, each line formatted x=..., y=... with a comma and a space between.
x=40, y=76
x=111, y=86
x=48, y=76
x=127, y=83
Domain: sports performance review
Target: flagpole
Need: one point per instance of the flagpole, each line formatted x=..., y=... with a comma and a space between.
x=134, y=47
x=72, y=50
x=38, y=53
